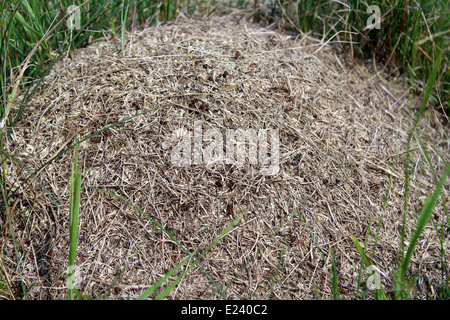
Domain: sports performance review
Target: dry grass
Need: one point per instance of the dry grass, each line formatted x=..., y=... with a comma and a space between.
x=340, y=130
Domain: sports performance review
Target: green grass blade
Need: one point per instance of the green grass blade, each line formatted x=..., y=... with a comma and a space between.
x=379, y=293
x=74, y=210
x=172, y=285
x=156, y=286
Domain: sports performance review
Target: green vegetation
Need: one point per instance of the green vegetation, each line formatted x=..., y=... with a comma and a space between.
x=412, y=40
x=74, y=211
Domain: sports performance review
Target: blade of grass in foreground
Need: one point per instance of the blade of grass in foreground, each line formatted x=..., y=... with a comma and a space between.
x=123, y=18
x=156, y=286
x=74, y=209
x=366, y=240
x=215, y=241
x=334, y=280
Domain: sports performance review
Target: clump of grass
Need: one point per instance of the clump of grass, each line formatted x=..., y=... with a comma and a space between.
x=31, y=33
x=334, y=279
x=190, y=255
x=403, y=285
x=430, y=202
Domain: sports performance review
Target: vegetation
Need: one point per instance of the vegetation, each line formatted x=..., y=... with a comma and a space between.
x=410, y=38
x=412, y=41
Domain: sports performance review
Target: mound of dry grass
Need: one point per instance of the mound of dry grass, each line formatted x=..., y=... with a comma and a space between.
x=342, y=133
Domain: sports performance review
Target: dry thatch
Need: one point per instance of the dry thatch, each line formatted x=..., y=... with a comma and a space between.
x=342, y=134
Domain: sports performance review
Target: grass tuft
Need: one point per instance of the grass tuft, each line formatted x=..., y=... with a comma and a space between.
x=74, y=211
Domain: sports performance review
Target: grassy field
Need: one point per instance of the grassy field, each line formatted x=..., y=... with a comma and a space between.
x=412, y=41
